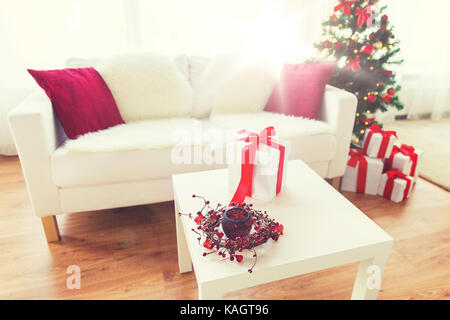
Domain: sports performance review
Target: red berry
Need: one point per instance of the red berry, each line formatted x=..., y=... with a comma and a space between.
x=239, y=258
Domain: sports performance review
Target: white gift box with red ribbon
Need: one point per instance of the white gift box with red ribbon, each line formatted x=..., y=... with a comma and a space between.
x=257, y=165
x=395, y=185
x=362, y=173
x=405, y=159
x=378, y=143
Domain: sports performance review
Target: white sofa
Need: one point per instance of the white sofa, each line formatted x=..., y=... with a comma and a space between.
x=60, y=180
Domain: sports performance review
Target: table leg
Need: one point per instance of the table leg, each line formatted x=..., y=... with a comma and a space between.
x=209, y=292
x=368, y=278
x=184, y=258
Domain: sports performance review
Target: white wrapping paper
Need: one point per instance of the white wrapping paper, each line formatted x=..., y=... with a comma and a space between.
x=265, y=170
x=374, y=171
x=398, y=189
x=375, y=144
x=404, y=163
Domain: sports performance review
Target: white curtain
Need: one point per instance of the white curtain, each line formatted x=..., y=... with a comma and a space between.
x=423, y=28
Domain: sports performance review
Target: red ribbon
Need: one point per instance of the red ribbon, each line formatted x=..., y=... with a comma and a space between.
x=244, y=188
x=354, y=64
x=345, y=5
x=386, y=136
x=357, y=156
x=389, y=187
x=368, y=120
x=407, y=151
x=363, y=15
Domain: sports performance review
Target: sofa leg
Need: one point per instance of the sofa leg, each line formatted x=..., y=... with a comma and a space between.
x=336, y=182
x=51, y=229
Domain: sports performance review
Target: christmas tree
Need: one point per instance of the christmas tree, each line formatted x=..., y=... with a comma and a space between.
x=359, y=36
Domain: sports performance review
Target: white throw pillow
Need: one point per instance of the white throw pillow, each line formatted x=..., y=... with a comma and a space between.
x=181, y=62
x=232, y=84
x=197, y=66
x=147, y=86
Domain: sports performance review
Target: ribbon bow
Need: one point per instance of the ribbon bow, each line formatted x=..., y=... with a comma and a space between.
x=358, y=156
x=354, y=64
x=254, y=139
x=386, y=136
x=345, y=5
x=364, y=16
x=391, y=176
x=368, y=120
x=408, y=151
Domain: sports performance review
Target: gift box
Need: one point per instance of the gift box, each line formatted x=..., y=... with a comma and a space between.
x=395, y=185
x=362, y=173
x=257, y=165
x=405, y=159
x=378, y=143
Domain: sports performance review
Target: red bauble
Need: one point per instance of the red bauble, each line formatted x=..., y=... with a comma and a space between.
x=327, y=44
x=371, y=98
x=391, y=91
x=384, y=17
x=386, y=73
x=386, y=98
x=338, y=46
x=367, y=49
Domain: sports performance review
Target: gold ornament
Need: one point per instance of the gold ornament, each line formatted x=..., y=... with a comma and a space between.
x=378, y=45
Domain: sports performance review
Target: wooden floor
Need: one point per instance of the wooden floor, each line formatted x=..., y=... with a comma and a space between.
x=130, y=253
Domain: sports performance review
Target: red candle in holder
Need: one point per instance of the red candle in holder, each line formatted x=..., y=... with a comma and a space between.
x=236, y=222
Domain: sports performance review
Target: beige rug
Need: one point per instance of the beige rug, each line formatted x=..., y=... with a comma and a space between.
x=434, y=138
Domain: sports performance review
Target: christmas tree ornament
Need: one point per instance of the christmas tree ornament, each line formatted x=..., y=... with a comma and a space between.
x=378, y=45
x=386, y=73
x=386, y=98
x=371, y=98
x=345, y=6
x=367, y=49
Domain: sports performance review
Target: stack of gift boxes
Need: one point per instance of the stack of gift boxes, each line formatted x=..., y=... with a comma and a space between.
x=382, y=167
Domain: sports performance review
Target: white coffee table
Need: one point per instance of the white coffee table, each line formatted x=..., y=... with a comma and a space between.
x=322, y=230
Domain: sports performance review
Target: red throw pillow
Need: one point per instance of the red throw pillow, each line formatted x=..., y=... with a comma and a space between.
x=81, y=99
x=300, y=89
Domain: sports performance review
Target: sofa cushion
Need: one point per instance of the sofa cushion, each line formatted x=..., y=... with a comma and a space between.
x=232, y=84
x=142, y=159
x=147, y=86
x=71, y=169
x=81, y=99
x=181, y=61
x=300, y=89
x=311, y=140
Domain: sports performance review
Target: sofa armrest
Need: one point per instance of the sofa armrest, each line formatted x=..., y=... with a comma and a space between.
x=36, y=136
x=338, y=109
